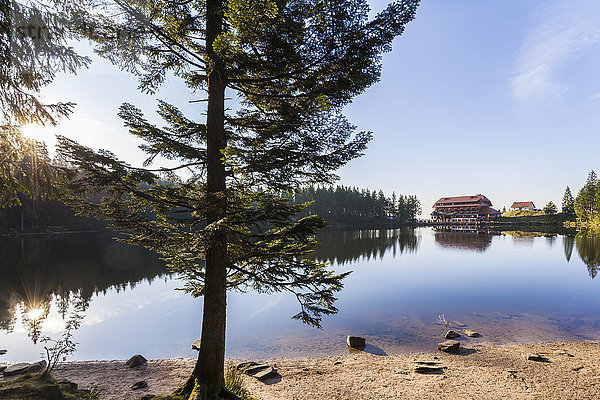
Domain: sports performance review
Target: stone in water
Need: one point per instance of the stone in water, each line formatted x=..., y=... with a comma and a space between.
x=452, y=335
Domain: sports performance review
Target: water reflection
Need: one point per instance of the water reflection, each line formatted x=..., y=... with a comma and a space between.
x=464, y=237
x=510, y=293
x=568, y=244
x=41, y=272
x=344, y=247
x=588, y=247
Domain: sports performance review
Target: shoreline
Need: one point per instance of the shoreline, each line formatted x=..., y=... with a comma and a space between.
x=481, y=371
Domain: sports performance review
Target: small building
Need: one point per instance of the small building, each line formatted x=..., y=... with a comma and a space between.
x=463, y=209
x=522, y=205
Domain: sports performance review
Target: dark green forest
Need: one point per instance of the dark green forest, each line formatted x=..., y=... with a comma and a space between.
x=353, y=206
x=36, y=215
x=338, y=206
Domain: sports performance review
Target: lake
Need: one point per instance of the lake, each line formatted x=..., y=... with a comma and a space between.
x=510, y=286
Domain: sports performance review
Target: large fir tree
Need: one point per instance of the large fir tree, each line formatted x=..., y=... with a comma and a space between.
x=587, y=203
x=227, y=222
x=550, y=208
x=568, y=203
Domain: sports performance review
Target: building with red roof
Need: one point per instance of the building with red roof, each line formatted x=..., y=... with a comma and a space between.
x=522, y=205
x=463, y=209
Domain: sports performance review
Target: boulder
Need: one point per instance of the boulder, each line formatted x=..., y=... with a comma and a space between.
x=535, y=357
x=196, y=345
x=3, y=352
x=356, y=342
x=262, y=372
x=25, y=368
x=471, y=333
x=136, y=361
x=16, y=369
x=139, y=385
x=449, y=346
x=452, y=335
x=427, y=362
x=429, y=369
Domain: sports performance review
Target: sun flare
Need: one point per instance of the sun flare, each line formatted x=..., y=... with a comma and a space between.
x=34, y=314
x=38, y=132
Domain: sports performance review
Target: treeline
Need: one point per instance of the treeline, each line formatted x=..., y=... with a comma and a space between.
x=587, y=202
x=34, y=215
x=353, y=206
x=339, y=205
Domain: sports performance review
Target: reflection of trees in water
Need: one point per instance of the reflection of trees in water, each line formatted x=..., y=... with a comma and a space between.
x=65, y=271
x=528, y=237
x=568, y=244
x=466, y=240
x=588, y=247
x=352, y=246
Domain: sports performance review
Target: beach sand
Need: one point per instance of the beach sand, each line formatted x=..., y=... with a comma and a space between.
x=486, y=371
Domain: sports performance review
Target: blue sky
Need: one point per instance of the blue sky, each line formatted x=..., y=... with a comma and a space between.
x=493, y=97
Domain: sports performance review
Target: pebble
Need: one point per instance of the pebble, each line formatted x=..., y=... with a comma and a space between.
x=139, y=385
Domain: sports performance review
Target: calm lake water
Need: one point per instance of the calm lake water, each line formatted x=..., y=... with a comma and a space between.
x=511, y=287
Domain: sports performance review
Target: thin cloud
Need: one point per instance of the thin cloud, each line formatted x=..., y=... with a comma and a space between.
x=595, y=96
x=564, y=32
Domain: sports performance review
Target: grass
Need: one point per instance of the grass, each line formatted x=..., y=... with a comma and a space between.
x=522, y=213
x=234, y=382
x=532, y=218
x=46, y=387
x=43, y=386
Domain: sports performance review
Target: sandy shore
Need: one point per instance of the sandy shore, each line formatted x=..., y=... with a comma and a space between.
x=572, y=371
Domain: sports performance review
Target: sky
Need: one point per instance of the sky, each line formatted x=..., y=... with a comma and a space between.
x=494, y=97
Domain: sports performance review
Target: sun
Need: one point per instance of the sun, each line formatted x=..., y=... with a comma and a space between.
x=34, y=314
x=39, y=132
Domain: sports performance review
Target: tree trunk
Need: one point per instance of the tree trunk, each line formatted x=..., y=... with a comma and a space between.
x=208, y=373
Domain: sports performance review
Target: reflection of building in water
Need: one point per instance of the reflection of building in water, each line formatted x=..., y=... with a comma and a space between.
x=466, y=237
x=463, y=209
